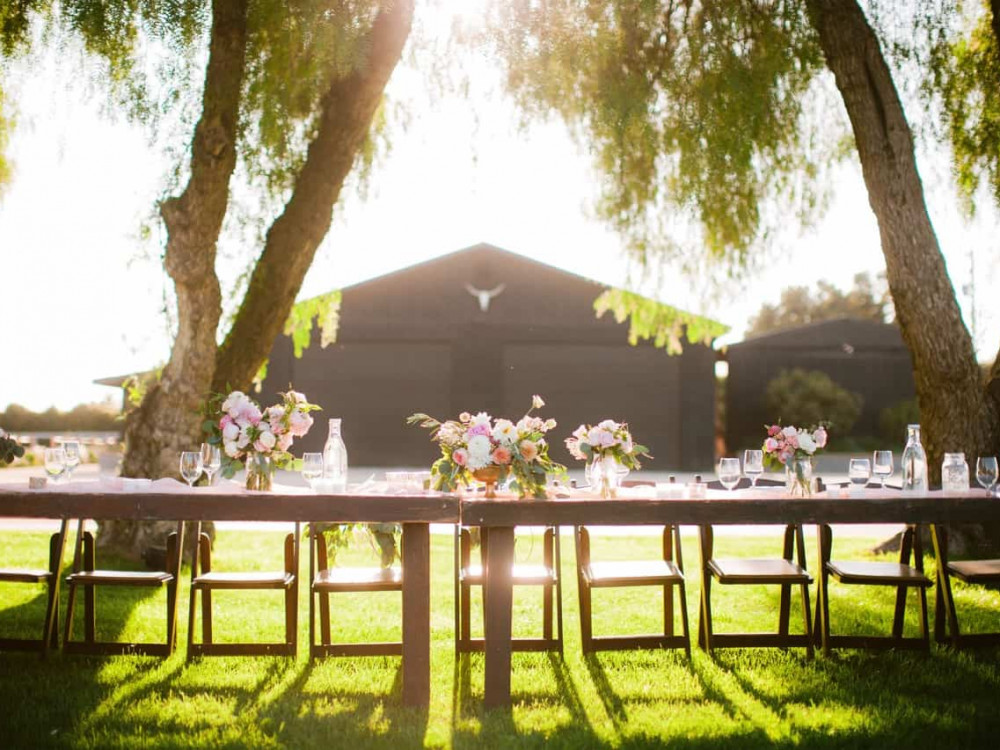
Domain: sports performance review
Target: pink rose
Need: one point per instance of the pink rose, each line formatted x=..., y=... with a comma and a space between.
x=771, y=445
x=299, y=423
x=773, y=430
x=460, y=457
x=501, y=456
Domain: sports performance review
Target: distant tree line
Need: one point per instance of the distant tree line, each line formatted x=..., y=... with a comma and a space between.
x=81, y=418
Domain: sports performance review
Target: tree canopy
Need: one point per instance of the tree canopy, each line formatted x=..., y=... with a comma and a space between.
x=799, y=306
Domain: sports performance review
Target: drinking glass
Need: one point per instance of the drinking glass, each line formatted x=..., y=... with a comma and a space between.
x=191, y=467
x=882, y=466
x=72, y=448
x=859, y=470
x=55, y=463
x=753, y=465
x=986, y=472
x=729, y=472
x=312, y=467
x=211, y=460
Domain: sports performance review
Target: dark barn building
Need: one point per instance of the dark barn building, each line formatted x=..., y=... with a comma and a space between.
x=484, y=329
x=862, y=356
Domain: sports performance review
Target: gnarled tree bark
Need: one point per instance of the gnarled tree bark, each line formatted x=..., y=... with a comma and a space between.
x=348, y=108
x=956, y=411
x=167, y=421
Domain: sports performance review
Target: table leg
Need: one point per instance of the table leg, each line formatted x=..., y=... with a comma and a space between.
x=498, y=595
x=56, y=566
x=416, y=614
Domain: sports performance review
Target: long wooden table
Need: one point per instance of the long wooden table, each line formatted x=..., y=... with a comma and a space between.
x=761, y=506
x=415, y=512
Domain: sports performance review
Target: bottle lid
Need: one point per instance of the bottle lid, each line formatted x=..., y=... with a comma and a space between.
x=697, y=478
x=672, y=479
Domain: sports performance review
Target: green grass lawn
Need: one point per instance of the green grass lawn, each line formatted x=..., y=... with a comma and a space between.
x=741, y=698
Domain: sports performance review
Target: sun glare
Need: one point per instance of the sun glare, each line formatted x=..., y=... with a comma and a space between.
x=466, y=12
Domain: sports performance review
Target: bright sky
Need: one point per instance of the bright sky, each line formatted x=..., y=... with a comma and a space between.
x=80, y=303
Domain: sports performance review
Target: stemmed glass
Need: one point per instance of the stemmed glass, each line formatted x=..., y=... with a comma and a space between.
x=882, y=466
x=55, y=463
x=859, y=470
x=191, y=467
x=211, y=460
x=753, y=465
x=986, y=472
x=72, y=448
x=729, y=472
x=312, y=467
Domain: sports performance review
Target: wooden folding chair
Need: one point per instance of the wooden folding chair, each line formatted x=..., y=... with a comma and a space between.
x=325, y=580
x=545, y=575
x=50, y=577
x=668, y=573
x=86, y=574
x=205, y=580
x=980, y=572
x=786, y=571
x=901, y=575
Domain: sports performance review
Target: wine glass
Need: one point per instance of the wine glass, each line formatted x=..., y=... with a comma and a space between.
x=729, y=472
x=211, y=460
x=55, y=463
x=986, y=472
x=882, y=466
x=312, y=467
x=191, y=467
x=859, y=471
x=753, y=465
x=72, y=448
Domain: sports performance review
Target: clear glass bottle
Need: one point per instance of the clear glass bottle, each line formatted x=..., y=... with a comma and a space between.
x=335, y=459
x=954, y=473
x=914, y=461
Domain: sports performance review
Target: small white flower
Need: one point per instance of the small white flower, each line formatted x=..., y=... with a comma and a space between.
x=482, y=418
x=537, y=402
x=504, y=432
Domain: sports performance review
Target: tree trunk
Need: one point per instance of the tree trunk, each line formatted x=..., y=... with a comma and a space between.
x=167, y=421
x=955, y=411
x=995, y=10
x=345, y=120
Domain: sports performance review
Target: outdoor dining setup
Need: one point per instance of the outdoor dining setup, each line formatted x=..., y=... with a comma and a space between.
x=495, y=478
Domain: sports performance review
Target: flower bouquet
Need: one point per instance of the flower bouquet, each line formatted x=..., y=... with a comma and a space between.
x=793, y=448
x=260, y=438
x=608, y=446
x=481, y=448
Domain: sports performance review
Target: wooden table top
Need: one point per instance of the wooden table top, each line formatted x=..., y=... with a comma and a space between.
x=762, y=506
x=224, y=504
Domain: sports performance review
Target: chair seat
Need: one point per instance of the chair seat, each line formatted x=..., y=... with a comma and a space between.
x=359, y=579
x=244, y=580
x=120, y=578
x=521, y=575
x=877, y=573
x=772, y=570
x=24, y=575
x=976, y=571
x=632, y=573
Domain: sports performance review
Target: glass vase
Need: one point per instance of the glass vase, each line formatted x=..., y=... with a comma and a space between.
x=798, y=477
x=605, y=475
x=260, y=472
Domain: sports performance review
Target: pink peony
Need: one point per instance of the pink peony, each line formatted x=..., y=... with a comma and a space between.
x=299, y=423
x=460, y=457
x=501, y=456
x=771, y=445
x=285, y=441
x=820, y=437
x=774, y=430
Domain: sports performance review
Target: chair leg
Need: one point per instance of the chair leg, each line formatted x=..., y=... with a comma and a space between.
x=89, y=592
x=172, y=592
x=705, y=613
x=684, y=619
x=558, y=571
x=785, y=601
x=945, y=602
x=292, y=592
x=547, y=614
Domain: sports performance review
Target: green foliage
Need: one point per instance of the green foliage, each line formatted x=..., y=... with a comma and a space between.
x=892, y=420
x=694, y=112
x=325, y=310
x=965, y=73
x=10, y=449
x=102, y=417
x=802, y=397
x=6, y=124
x=799, y=307
x=652, y=320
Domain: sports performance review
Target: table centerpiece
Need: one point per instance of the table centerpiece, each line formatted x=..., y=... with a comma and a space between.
x=793, y=448
x=477, y=447
x=609, y=449
x=256, y=438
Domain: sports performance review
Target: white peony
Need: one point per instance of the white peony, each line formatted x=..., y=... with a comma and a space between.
x=789, y=432
x=807, y=443
x=267, y=439
x=231, y=449
x=232, y=401
x=230, y=432
x=244, y=439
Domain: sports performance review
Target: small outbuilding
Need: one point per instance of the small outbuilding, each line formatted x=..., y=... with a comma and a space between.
x=863, y=356
x=483, y=329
